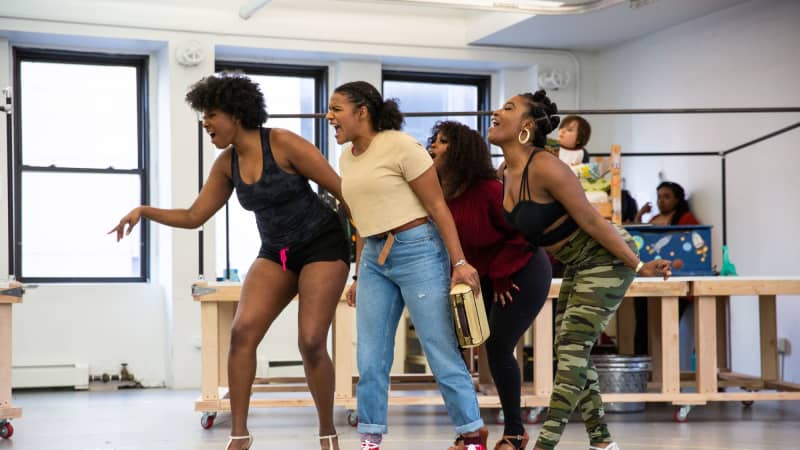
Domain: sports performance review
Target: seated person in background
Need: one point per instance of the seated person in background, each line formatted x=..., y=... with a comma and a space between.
x=573, y=135
x=672, y=207
x=673, y=210
x=629, y=208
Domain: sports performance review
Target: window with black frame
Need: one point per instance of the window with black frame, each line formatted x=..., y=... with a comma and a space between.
x=423, y=92
x=79, y=162
x=288, y=90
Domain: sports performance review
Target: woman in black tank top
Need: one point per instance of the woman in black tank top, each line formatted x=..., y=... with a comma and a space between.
x=303, y=252
x=544, y=200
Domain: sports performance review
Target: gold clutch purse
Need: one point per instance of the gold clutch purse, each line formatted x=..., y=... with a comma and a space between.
x=469, y=315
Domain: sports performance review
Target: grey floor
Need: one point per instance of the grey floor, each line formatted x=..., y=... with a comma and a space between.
x=160, y=419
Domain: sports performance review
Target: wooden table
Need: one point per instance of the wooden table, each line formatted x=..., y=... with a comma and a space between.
x=218, y=303
x=712, y=367
x=663, y=296
x=10, y=293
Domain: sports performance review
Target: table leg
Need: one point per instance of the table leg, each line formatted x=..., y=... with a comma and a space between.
x=669, y=344
x=543, y=351
x=768, y=329
x=705, y=344
x=209, y=350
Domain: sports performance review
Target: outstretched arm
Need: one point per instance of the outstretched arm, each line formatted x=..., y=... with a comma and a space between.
x=215, y=192
x=557, y=178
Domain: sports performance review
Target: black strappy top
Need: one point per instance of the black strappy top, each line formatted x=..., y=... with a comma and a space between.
x=532, y=218
x=287, y=210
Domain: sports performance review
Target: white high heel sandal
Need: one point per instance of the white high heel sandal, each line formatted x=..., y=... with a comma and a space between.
x=611, y=446
x=249, y=438
x=330, y=439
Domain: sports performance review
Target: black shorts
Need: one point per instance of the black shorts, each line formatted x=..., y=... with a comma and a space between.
x=330, y=245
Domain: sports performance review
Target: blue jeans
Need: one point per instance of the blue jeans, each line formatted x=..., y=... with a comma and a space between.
x=417, y=275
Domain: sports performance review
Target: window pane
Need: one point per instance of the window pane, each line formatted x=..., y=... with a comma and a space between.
x=416, y=96
x=77, y=115
x=65, y=218
x=244, y=239
x=289, y=95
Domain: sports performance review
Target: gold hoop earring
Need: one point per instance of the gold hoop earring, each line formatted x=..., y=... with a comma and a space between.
x=527, y=136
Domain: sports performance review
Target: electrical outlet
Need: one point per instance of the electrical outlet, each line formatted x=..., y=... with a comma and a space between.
x=784, y=346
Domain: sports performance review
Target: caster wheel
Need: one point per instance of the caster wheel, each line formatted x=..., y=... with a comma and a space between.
x=747, y=403
x=6, y=430
x=500, y=417
x=682, y=414
x=207, y=420
x=352, y=418
x=534, y=416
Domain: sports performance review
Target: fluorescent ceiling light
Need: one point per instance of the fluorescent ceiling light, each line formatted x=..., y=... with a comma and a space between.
x=528, y=6
x=493, y=3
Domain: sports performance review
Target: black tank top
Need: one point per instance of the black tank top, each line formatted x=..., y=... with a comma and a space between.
x=287, y=211
x=532, y=218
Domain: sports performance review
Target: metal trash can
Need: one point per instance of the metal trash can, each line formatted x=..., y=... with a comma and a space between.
x=618, y=373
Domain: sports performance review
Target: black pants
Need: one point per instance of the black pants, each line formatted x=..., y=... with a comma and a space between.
x=507, y=324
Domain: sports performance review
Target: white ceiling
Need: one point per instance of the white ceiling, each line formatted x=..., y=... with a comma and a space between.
x=590, y=31
x=379, y=21
x=604, y=28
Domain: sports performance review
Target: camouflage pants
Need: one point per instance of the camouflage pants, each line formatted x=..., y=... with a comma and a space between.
x=593, y=286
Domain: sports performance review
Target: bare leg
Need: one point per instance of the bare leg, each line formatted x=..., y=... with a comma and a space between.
x=320, y=288
x=265, y=293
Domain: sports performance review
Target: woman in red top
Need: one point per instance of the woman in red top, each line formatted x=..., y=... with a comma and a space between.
x=672, y=207
x=515, y=279
x=673, y=210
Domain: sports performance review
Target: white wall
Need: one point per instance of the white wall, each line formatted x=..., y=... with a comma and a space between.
x=155, y=326
x=745, y=56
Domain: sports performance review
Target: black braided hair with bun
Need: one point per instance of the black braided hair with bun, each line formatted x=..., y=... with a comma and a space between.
x=543, y=112
x=385, y=114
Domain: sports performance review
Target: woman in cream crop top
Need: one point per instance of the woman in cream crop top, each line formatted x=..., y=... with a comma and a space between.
x=377, y=188
x=402, y=259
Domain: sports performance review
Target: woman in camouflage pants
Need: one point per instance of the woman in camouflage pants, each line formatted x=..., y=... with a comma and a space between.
x=544, y=200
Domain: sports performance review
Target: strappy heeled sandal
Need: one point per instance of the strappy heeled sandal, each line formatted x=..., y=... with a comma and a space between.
x=249, y=438
x=368, y=445
x=483, y=433
x=330, y=439
x=611, y=446
x=506, y=440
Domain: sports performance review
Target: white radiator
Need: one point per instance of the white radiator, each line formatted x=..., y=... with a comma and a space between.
x=51, y=375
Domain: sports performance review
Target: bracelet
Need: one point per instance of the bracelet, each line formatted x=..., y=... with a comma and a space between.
x=639, y=266
x=460, y=262
x=355, y=277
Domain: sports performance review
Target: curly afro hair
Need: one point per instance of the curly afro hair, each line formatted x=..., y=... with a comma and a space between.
x=543, y=111
x=467, y=160
x=232, y=93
